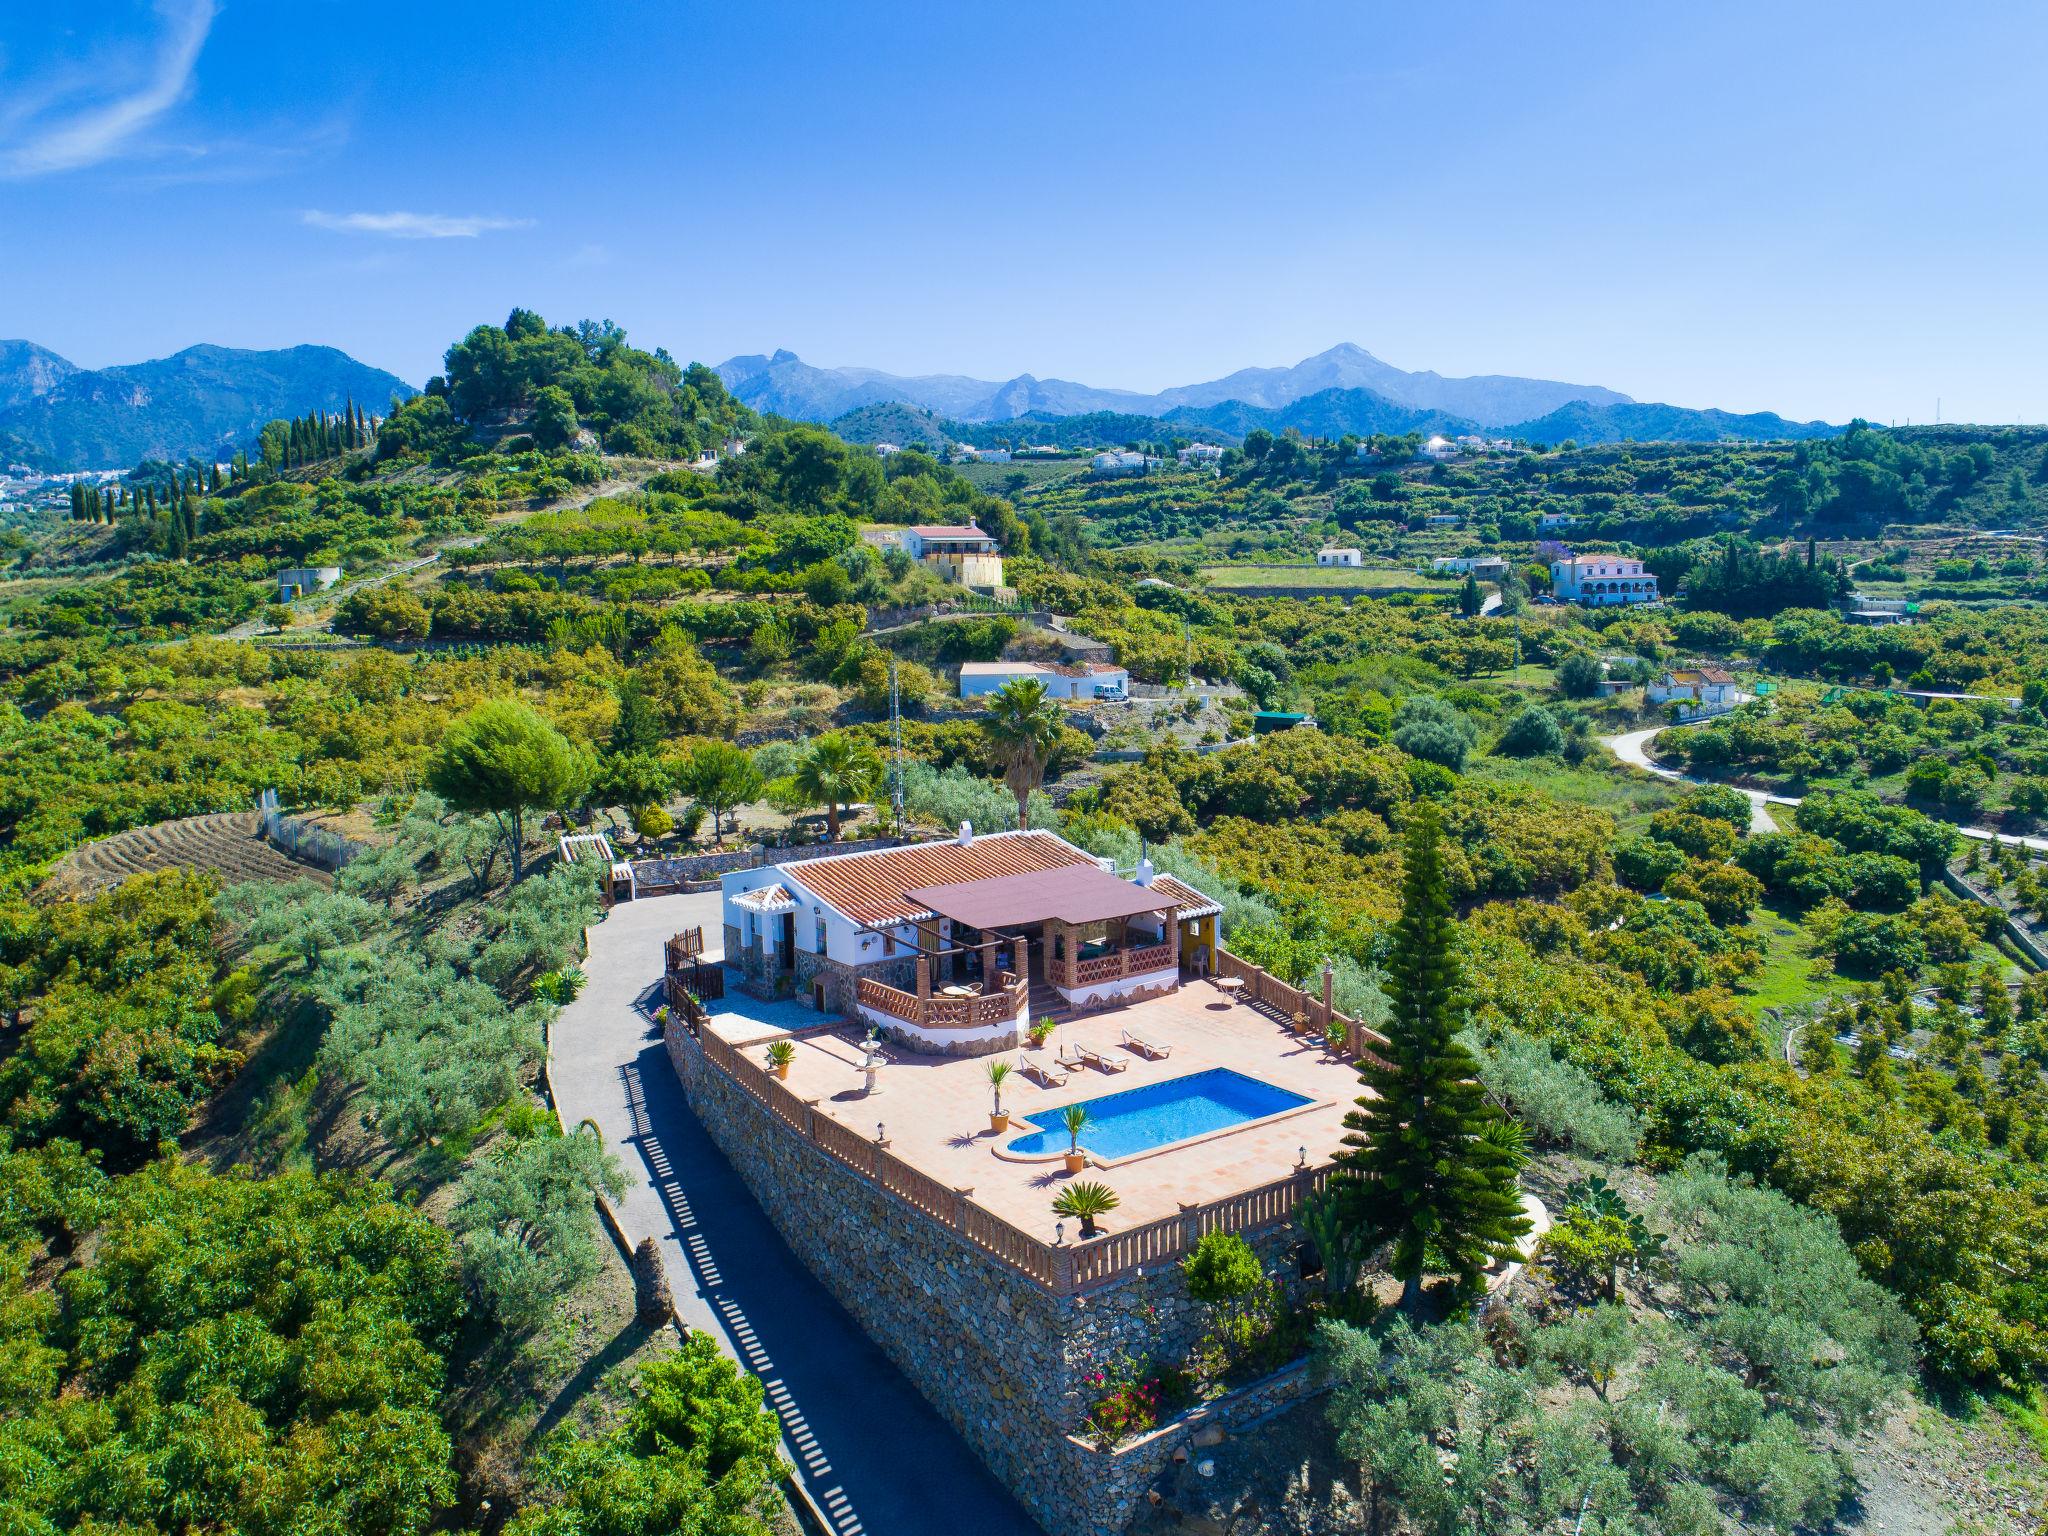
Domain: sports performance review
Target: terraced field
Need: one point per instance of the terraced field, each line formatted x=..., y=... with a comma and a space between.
x=226, y=843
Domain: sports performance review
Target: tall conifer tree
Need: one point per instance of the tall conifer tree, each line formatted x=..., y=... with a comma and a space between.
x=1418, y=1172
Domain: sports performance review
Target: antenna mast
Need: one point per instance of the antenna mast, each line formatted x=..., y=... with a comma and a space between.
x=895, y=747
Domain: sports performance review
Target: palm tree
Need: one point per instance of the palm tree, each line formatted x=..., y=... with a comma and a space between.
x=838, y=770
x=1086, y=1200
x=1023, y=729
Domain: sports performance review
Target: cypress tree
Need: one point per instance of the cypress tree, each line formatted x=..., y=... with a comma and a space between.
x=1417, y=1170
x=77, y=501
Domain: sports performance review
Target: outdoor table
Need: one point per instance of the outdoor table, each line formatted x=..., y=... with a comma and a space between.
x=1229, y=983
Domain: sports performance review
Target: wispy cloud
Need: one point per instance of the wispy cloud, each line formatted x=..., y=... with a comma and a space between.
x=412, y=226
x=74, y=122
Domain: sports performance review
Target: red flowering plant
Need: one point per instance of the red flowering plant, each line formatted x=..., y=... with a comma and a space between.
x=1130, y=1396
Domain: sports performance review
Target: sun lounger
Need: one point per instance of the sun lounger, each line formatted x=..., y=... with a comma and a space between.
x=1100, y=1062
x=1050, y=1076
x=1146, y=1047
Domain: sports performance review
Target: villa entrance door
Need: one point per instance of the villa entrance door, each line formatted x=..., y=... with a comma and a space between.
x=785, y=947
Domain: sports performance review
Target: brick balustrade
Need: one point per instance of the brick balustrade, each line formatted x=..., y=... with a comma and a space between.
x=1062, y=1269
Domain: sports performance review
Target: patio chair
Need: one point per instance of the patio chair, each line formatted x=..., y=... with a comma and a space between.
x=1146, y=1048
x=1047, y=1076
x=1100, y=1062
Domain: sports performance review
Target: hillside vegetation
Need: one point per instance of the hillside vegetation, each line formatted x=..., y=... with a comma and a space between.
x=292, y=1241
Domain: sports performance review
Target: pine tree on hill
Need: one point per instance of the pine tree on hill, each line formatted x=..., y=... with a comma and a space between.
x=1418, y=1172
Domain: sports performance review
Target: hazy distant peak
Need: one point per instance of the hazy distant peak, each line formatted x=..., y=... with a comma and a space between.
x=784, y=383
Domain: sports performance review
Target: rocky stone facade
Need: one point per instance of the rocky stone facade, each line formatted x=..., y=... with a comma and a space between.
x=760, y=973
x=1003, y=1359
x=841, y=980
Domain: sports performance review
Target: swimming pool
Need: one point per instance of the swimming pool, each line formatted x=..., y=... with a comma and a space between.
x=1139, y=1119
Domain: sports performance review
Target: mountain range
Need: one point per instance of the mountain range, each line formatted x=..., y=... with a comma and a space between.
x=786, y=384
x=1345, y=389
x=205, y=401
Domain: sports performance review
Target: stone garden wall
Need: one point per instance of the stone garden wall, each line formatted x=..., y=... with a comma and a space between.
x=1004, y=1359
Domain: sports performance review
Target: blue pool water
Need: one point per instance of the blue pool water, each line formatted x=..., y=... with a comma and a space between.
x=1139, y=1119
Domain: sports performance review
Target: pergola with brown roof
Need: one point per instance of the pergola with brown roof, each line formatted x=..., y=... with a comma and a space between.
x=1062, y=904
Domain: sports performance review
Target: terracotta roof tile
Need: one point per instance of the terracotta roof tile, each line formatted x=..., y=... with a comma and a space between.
x=869, y=887
x=1191, y=901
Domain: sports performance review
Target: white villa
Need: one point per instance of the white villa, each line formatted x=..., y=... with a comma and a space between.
x=1697, y=691
x=1476, y=565
x=960, y=552
x=954, y=947
x=1335, y=556
x=1552, y=520
x=1601, y=581
x=887, y=450
x=1078, y=681
x=1439, y=448
x=1199, y=453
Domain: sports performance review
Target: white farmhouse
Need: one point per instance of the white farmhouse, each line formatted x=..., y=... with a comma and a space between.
x=1199, y=453
x=1080, y=681
x=1334, y=556
x=1475, y=565
x=1695, y=685
x=1439, y=448
x=1551, y=521
x=942, y=945
x=960, y=552
x=1601, y=581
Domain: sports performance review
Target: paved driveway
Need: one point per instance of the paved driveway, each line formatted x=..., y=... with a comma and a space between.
x=873, y=1453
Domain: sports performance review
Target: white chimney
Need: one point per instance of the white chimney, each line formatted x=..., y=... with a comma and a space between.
x=1145, y=872
x=966, y=834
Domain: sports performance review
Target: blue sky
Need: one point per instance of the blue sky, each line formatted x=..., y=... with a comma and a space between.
x=1821, y=209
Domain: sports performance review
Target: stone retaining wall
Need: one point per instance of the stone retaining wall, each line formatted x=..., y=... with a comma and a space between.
x=1004, y=1360
x=696, y=868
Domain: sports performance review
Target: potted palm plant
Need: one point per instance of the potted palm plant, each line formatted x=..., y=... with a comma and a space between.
x=780, y=1054
x=1075, y=1119
x=1040, y=1032
x=1087, y=1200
x=998, y=1117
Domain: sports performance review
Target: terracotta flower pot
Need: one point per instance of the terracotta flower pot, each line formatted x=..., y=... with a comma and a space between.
x=781, y=1070
x=999, y=1121
x=1076, y=1161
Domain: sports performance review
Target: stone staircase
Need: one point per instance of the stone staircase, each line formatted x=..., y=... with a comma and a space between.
x=1047, y=1003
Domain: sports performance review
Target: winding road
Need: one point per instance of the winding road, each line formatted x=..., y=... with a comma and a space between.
x=873, y=1455
x=1633, y=748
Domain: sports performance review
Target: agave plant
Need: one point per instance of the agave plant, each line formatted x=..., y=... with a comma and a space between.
x=1086, y=1200
x=1509, y=1137
x=781, y=1053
